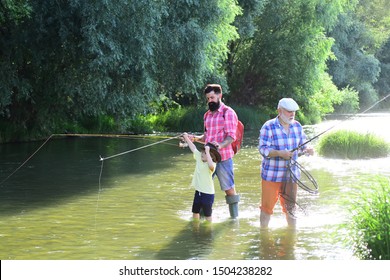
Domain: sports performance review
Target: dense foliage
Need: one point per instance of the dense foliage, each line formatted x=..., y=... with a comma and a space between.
x=383, y=83
x=354, y=66
x=287, y=53
x=71, y=64
x=360, y=39
x=370, y=225
x=72, y=60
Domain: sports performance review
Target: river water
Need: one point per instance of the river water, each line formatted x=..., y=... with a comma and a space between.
x=64, y=203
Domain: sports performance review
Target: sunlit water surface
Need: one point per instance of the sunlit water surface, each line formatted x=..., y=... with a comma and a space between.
x=66, y=204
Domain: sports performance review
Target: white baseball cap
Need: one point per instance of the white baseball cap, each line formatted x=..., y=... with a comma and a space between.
x=289, y=104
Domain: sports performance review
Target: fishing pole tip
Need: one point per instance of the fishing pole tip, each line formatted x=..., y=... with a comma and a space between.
x=101, y=159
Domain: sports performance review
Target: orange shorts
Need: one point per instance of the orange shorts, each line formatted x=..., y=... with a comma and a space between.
x=270, y=193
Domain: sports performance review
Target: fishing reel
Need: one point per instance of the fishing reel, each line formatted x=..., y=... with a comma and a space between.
x=183, y=144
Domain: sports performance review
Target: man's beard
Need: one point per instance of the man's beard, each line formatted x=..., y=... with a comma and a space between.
x=286, y=119
x=213, y=106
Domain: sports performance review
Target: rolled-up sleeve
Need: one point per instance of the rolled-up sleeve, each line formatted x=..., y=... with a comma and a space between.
x=231, y=121
x=265, y=141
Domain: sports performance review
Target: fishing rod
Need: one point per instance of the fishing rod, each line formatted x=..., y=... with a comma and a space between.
x=306, y=181
x=17, y=169
x=350, y=117
x=139, y=148
x=135, y=136
x=86, y=135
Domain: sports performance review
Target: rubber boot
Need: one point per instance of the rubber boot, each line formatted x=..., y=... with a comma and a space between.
x=233, y=200
x=264, y=219
x=291, y=220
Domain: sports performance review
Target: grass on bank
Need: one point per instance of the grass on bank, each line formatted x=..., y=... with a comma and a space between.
x=369, y=228
x=346, y=144
x=189, y=119
x=180, y=119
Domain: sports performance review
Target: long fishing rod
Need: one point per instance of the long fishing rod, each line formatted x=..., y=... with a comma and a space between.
x=350, y=117
x=111, y=135
x=308, y=183
x=16, y=170
x=136, y=149
x=84, y=135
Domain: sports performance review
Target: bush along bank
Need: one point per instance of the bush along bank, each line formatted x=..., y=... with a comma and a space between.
x=344, y=144
x=369, y=228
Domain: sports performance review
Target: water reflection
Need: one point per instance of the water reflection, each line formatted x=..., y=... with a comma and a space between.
x=277, y=244
x=194, y=241
x=54, y=207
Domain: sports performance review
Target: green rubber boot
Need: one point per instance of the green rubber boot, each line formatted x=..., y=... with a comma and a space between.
x=232, y=201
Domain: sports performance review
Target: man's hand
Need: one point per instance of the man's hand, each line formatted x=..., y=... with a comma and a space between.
x=309, y=151
x=285, y=154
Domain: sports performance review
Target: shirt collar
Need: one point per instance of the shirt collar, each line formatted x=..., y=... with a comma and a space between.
x=279, y=123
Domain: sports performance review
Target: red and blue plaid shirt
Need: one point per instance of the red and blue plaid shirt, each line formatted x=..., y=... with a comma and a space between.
x=220, y=124
x=274, y=137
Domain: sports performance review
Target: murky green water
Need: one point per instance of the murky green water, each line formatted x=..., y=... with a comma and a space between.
x=55, y=207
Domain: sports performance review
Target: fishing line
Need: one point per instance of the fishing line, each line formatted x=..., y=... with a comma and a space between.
x=350, y=117
x=304, y=179
x=98, y=196
x=17, y=169
x=301, y=176
x=111, y=135
x=297, y=174
x=117, y=155
x=136, y=149
x=129, y=151
x=79, y=135
x=290, y=203
x=288, y=187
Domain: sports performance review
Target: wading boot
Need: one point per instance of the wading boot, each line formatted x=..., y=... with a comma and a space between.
x=264, y=219
x=232, y=201
x=291, y=220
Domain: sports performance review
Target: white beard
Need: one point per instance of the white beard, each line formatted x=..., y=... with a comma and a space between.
x=286, y=119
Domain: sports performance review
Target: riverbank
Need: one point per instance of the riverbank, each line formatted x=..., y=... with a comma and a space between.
x=184, y=119
x=189, y=119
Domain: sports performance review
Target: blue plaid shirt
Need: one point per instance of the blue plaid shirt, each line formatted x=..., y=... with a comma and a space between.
x=274, y=137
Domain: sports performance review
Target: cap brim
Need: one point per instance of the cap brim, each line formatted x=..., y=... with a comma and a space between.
x=214, y=151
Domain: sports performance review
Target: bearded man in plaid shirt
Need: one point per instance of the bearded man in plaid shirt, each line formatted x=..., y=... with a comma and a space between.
x=220, y=125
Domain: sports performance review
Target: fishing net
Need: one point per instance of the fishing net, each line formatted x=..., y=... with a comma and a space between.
x=297, y=178
x=298, y=174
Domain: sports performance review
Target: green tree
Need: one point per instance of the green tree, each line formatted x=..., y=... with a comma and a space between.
x=13, y=11
x=353, y=65
x=383, y=83
x=287, y=54
x=73, y=59
x=194, y=44
x=246, y=27
x=375, y=14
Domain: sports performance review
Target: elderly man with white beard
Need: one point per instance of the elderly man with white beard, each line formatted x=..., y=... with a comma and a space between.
x=278, y=138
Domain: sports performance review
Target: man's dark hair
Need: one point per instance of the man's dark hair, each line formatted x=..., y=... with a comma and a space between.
x=213, y=87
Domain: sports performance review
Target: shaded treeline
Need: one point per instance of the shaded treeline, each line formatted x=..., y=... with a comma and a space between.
x=72, y=65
